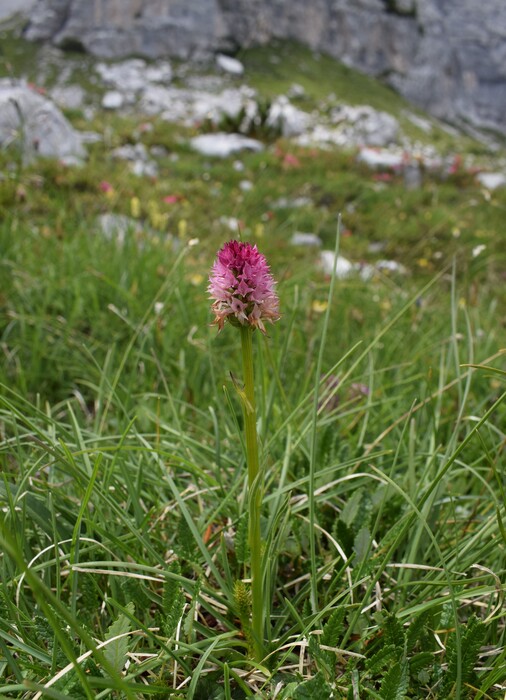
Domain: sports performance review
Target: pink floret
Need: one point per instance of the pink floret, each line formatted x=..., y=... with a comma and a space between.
x=242, y=287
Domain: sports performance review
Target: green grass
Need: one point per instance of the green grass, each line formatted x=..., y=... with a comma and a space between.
x=123, y=476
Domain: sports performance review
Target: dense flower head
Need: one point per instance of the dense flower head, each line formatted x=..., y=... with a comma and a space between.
x=242, y=287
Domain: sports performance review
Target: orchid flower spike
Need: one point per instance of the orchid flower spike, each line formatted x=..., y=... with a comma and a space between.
x=242, y=287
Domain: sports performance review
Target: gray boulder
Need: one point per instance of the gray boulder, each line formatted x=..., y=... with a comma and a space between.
x=33, y=123
x=68, y=96
x=11, y=7
x=46, y=18
x=112, y=28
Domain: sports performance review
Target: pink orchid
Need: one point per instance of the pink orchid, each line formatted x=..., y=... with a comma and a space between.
x=242, y=287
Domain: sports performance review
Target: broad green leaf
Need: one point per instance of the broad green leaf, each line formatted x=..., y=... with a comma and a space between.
x=116, y=651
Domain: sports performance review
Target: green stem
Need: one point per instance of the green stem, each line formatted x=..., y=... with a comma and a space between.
x=255, y=494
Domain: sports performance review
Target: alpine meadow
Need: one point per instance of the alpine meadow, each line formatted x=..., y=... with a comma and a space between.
x=252, y=417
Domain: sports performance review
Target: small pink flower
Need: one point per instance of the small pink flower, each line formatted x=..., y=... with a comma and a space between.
x=291, y=161
x=358, y=390
x=172, y=199
x=105, y=186
x=456, y=166
x=383, y=177
x=242, y=287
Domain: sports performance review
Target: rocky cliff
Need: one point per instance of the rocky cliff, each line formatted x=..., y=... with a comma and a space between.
x=447, y=56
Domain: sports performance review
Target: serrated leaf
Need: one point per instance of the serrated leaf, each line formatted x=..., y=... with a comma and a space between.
x=350, y=510
x=393, y=632
x=384, y=657
x=242, y=599
x=471, y=640
x=447, y=616
x=420, y=661
x=395, y=683
x=89, y=600
x=391, y=536
x=361, y=544
x=332, y=629
x=306, y=609
x=185, y=544
x=241, y=540
x=313, y=648
x=172, y=601
x=116, y=651
x=209, y=688
x=133, y=589
x=190, y=616
x=419, y=630
x=314, y=689
x=344, y=535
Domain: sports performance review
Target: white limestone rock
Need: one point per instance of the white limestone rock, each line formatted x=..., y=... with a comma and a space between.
x=491, y=181
x=306, y=240
x=344, y=268
x=222, y=145
x=229, y=64
x=32, y=121
x=381, y=158
x=113, y=99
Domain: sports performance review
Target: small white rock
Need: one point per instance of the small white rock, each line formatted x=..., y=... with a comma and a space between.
x=308, y=240
x=293, y=121
x=222, y=145
x=491, y=181
x=131, y=152
x=390, y=266
x=229, y=64
x=344, y=268
x=380, y=158
x=296, y=203
x=113, y=100
x=143, y=168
